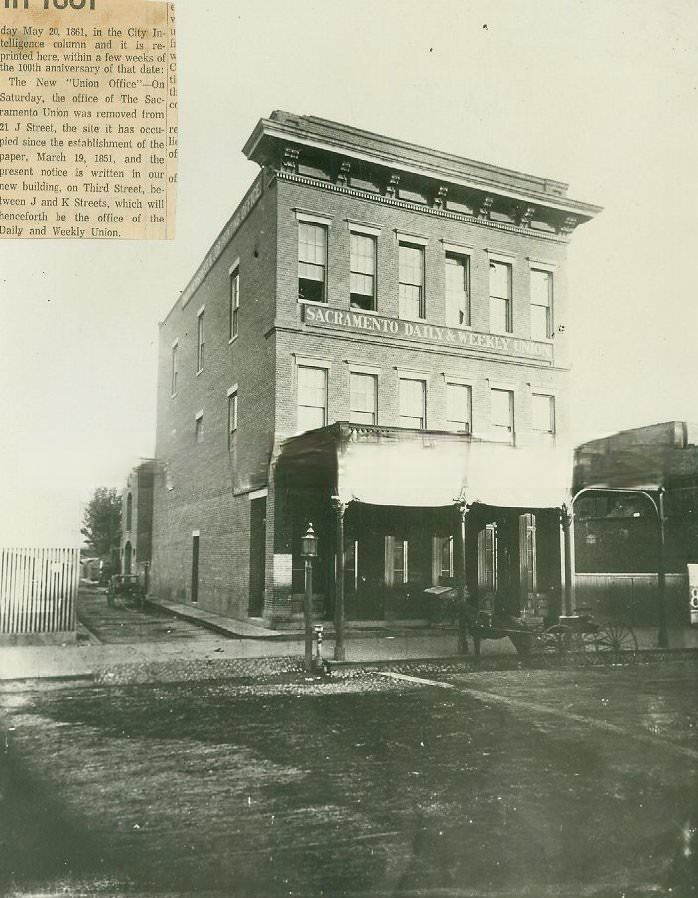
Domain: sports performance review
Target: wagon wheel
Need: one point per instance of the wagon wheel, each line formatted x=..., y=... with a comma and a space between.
x=557, y=639
x=615, y=639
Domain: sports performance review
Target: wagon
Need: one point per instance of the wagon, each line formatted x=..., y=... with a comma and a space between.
x=578, y=633
x=126, y=587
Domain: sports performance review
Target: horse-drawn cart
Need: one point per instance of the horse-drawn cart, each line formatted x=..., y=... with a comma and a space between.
x=578, y=633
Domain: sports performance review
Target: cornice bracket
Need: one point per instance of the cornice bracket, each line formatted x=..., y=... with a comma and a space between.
x=289, y=160
x=393, y=184
x=440, y=198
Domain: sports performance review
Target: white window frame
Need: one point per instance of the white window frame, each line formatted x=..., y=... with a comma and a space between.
x=413, y=243
x=457, y=382
x=497, y=430
x=174, y=367
x=232, y=396
x=550, y=269
x=374, y=376
x=234, y=301
x=552, y=409
x=312, y=218
x=451, y=251
x=508, y=261
x=200, y=340
x=424, y=380
x=354, y=231
x=317, y=364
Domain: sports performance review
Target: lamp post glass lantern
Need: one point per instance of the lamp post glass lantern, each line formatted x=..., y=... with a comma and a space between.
x=308, y=552
x=309, y=543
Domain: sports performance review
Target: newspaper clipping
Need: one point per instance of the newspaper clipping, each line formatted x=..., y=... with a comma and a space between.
x=88, y=119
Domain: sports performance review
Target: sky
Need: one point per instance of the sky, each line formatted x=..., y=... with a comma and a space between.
x=601, y=94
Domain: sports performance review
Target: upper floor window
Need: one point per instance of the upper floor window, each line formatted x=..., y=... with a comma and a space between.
x=458, y=407
x=312, y=261
x=457, y=290
x=413, y=403
x=362, y=275
x=411, y=264
x=199, y=428
x=232, y=415
x=234, y=303
x=129, y=511
x=363, y=393
x=312, y=397
x=200, y=341
x=541, y=304
x=543, y=413
x=502, y=415
x=500, y=297
x=174, y=369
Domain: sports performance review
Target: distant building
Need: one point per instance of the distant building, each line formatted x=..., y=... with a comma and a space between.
x=616, y=533
x=137, y=519
x=376, y=343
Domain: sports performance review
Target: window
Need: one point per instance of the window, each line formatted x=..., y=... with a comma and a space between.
x=457, y=290
x=234, y=303
x=200, y=342
x=174, y=369
x=312, y=261
x=363, y=393
x=411, y=264
x=129, y=511
x=458, y=406
x=500, y=297
x=541, y=304
x=445, y=557
x=502, y=414
x=542, y=413
x=199, y=428
x=312, y=398
x=232, y=415
x=362, y=275
x=413, y=395
x=400, y=561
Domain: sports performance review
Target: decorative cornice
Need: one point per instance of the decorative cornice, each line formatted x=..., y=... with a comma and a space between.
x=390, y=200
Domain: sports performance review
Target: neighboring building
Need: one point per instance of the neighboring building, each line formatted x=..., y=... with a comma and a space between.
x=136, y=549
x=376, y=343
x=616, y=533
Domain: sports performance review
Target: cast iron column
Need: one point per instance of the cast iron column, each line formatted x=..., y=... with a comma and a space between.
x=662, y=635
x=567, y=523
x=463, y=611
x=339, y=650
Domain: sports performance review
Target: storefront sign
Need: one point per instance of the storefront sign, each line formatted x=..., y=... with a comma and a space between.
x=418, y=331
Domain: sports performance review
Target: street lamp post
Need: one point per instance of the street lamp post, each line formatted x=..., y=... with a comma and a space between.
x=308, y=552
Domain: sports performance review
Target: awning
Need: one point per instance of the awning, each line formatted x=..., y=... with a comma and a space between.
x=392, y=466
x=435, y=469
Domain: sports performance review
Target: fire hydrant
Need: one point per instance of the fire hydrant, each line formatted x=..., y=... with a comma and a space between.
x=317, y=660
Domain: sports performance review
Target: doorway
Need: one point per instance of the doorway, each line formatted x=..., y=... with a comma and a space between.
x=258, y=534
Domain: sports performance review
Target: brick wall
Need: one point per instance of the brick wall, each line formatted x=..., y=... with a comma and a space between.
x=204, y=485
x=435, y=362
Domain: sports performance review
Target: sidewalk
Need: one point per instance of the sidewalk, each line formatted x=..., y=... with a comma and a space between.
x=240, y=640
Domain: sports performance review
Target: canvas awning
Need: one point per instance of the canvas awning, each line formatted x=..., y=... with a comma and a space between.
x=428, y=469
x=436, y=469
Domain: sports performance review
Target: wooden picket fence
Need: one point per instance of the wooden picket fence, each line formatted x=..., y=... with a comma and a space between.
x=38, y=590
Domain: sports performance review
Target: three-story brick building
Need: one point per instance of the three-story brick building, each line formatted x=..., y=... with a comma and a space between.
x=376, y=343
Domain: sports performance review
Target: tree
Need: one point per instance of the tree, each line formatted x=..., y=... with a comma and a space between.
x=102, y=522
